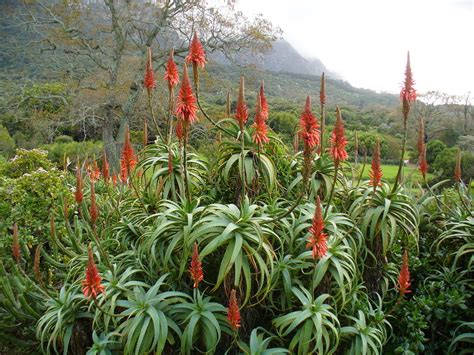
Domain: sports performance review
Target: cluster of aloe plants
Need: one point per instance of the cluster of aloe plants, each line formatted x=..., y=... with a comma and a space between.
x=182, y=254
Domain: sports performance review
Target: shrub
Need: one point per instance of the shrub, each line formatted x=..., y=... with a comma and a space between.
x=73, y=150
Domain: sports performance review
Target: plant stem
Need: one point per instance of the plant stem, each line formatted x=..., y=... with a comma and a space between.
x=150, y=106
x=332, y=189
x=400, y=165
x=242, y=157
x=185, y=162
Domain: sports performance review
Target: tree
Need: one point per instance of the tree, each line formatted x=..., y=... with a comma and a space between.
x=100, y=45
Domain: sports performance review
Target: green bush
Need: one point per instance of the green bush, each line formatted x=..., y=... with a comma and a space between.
x=445, y=163
x=73, y=150
x=7, y=144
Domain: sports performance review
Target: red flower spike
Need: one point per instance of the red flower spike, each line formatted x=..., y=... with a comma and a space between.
x=92, y=284
x=128, y=160
x=195, y=269
x=309, y=129
x=171, y=74
x=233, y=313
x=318, y=239
x=264, y=103
x=114, y=179
x=375, y=172
x=422, y=163
x=149, y=80
x=404, y=276
x=186, y=105
x=197, y=55
x=105, y=167
x=338, y=140
x=93, y=210
x=322, y=90
x=241, y=112
x=457, y=168
x=16, y=244
x=261, y=131
x=78, y=195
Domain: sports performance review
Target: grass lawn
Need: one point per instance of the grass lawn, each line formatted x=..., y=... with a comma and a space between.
x=410, y=172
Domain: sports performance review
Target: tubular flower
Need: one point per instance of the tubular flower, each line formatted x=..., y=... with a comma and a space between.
x=94, y=171
x=195, y=269
x=233, y=313
x=16, y=244
x=375, y=172
x=197, y=55
x=171, y=74
x=422, y=163
x=408, y=92
x=404, y=276
x=318, y=239
x=322, y=91
x=241, y=111
x=78, y=195
x=186, y=106
x=264, y=103
x=105, y=167
x=128, y=160
x=338, y=140
x=457, y=168
x=261, y=131
x=91, y=285
x=149, y=80
x=309, y=126
x=93, y=210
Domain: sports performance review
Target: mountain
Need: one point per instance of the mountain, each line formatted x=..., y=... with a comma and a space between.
x=282, y=57
x=289, y=87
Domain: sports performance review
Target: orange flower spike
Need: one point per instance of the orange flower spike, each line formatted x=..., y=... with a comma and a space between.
x=114, y=180
x=233, y=313
x=375, y=172
x=171, y=74
x=186, y=105
x=318, y=239
x=195, y=269
x=179, y=130
x=457, y=168
x=16, y=244
x=149, y=80
x=261, y=131
x=404, y=276
x=93, y=210
x=241, y=112
x=196, y=56
x=309, y=129
x=105, y=167
x=408, y=92
x=92, y=284
x=128, y=159
x=78, y=195
x=264, y=103
x=422, y=163
x=322, y=90
x=338, y=140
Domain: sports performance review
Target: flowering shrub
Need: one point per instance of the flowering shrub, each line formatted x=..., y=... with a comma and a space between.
x=257, y=249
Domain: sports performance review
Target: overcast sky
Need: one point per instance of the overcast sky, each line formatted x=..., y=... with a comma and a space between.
x=366, y=41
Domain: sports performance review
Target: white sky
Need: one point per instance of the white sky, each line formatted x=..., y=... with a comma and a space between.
x=366, y=41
